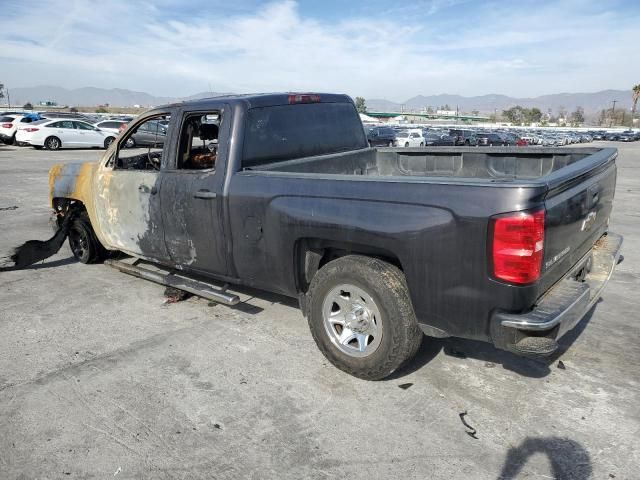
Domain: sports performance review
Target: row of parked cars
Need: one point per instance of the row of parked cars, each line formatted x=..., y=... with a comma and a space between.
x=401, y=136
x=421, y=137
x=55, y=130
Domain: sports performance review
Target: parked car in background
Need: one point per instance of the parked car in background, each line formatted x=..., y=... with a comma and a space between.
x=381, y=136
x=490, y=139
x=9, y=125
x=149, y=134
x=58, y=133
x=409, y=138
x=435, y=139
x=464, y=137
x=626, y=137
x=112, y=126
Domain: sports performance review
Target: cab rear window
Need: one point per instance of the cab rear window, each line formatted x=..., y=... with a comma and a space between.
x=285, y=132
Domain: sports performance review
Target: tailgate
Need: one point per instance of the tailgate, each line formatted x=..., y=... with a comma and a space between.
x=578, y=206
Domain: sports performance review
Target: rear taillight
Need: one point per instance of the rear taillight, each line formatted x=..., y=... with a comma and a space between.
x=7, y=125
x=31, y=129
x=518, y=247
x=303, y=98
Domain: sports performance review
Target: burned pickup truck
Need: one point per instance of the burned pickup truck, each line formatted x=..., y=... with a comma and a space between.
x=281, y=192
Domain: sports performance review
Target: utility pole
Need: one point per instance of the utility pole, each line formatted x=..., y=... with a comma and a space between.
x=613, y=113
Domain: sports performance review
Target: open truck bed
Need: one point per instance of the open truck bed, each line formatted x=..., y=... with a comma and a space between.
x=468, y=163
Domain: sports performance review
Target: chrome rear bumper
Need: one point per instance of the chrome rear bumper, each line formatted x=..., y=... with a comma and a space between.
x=564, y=305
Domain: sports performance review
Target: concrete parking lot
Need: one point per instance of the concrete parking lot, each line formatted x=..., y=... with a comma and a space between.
x=99, y=378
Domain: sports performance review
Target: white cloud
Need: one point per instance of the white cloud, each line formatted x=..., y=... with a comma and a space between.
x=275, y=48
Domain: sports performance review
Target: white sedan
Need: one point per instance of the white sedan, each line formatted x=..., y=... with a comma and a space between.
x=9, y=125
x=409, y=139
x=57, y=133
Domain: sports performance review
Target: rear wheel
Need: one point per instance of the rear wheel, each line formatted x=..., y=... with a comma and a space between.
x=130, y=143
x=361, y=317
x=406, y=145
x=108, y=141
x=52, y=143
x=84, y=244
x=422, y=144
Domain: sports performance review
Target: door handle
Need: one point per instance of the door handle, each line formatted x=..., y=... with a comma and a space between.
x=145, y=189
x=205, y=194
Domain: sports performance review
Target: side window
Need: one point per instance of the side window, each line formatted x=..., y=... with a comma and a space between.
x=198, y=146
x=141, y=148
x=62, y=124
x=82, y=126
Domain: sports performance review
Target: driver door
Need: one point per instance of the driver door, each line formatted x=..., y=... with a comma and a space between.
x=128, y=195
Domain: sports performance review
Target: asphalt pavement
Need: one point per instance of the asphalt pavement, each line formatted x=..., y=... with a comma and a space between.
x=99, y=378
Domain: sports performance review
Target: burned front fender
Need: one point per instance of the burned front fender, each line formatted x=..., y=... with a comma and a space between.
x=74, y=181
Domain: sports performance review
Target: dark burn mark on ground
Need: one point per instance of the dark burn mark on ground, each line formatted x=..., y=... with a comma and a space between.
x=33, y=251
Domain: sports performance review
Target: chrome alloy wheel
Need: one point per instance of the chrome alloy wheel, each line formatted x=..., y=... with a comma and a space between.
x=352, y=320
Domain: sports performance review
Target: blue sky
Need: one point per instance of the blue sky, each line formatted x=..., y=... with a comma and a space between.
x=372, y=48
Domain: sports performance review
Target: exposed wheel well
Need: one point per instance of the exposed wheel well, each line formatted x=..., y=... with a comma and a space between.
x=313, y=253
x=61, y=206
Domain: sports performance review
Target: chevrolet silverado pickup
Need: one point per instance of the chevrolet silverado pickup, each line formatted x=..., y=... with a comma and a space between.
x=282, y=192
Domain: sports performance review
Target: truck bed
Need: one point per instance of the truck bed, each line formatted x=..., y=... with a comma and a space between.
x=497, y=164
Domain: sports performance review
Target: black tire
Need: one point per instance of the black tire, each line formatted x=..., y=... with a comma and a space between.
x=130, y=143
x=84, y=244
x=386, y=285
x=369, y=142
x=108, y=141
x=406, y=145
x=422, y=144
x=52, y=143
x=13, y=140
x=467, y=143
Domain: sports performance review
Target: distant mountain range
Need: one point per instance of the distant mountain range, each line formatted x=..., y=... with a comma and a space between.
x=591, y=102
x=91, y=96
x=119, y=97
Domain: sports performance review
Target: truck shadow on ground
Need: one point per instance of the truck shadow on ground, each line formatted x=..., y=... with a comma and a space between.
x=463, y=349
x=459, y=348
x=55, y=263
x=569, y=459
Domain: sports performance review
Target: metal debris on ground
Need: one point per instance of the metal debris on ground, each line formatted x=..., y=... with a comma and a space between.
x=471, y=431
x=454, y=352
x=12, y=207
x=405, y=386
x=561, y=365
x=174, y=295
